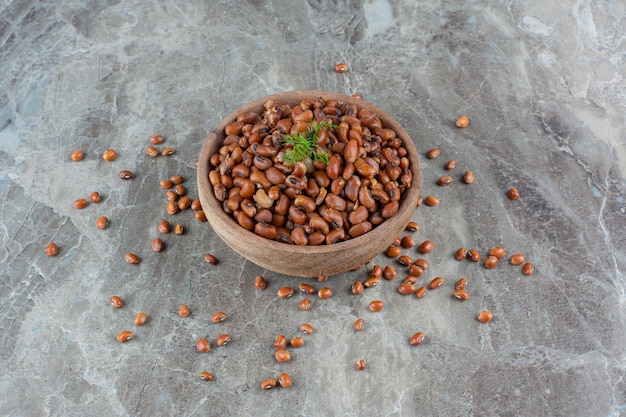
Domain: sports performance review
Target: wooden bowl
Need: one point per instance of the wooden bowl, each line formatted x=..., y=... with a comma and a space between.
x=306, y=261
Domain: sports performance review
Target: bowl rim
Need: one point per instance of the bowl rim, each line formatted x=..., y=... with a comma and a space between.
x=408, y=200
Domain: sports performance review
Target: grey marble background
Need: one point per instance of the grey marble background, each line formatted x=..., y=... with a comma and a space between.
x=542, y=82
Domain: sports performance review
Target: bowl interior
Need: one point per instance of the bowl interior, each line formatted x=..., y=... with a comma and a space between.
x=305, y=260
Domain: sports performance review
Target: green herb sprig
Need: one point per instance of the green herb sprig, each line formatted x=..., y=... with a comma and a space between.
x=304, y=145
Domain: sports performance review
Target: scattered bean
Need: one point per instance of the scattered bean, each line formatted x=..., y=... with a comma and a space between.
x=405, y=260
x=426, y=247
x=491, y=262
x=393, y=251
x=528, y=268
x=359, y=325
x=433, y=153
x=484, y=317
x=282, y=356
x=421, y=292
x=156, y=139
x=260, y=283
x=416, y=339
x=211, y=259
x=412, y=227
x=109, y=155
x=196, y=205
x=305, y=304
x=297, y=342
x=445, y=180
x=280, y=342
x=223, y=340
x=285, y=292
x=269, y=383
x=357, y=287
x=360, y=365
x=473, y=255
x=460, y=254
x=218, y=317
x=406, y=289
x=306, y=288
x=407, y=242
x=95, y=197
x=179, y=229
x=183, y=310
x=164, y=226
x=450, y=165
x=422, y=263
x=184, y=203
x=140, y=318
x=461, y=284
x=52, y=249
x=371, y=282
x=462, y=122
x=513, y=194
x=284, y=380
x=77, y=155
x=116, y=301
x=436, y=283
x=206, y=376
x=468, y=177
x=157, y=244
x=102, y=222
x=431, y=201
x=341, y=68
x=416, y=271
x=203, y=345
x=377, y=271
x=390, y=272
x=125, y=175
x=518, y=259
x=376, y=306
x=152, y=152
x=171, y=207
x=306, y=328
x=166, y=184
x=461, y=295
x=200, y=216
x=498, y=252
x=125, y=336
x=131, y=258
x=80, y=204
x=168, y=151
x=325, y=293
x=177, y=179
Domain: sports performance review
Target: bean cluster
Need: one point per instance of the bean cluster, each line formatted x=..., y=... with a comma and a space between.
x=310, y=202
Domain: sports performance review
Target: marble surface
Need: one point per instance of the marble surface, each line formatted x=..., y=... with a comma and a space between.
x=542, y=83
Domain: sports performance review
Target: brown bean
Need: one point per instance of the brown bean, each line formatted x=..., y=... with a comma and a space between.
x=405, y=260
x=211, y=259
x=410, y=279
x=179, y=229
x=412, y=227
x=445, y=180
x=498, y=252
x=306, y=288
x=102, y=222
x=164, y=226
x=468, y=177
x=268, y=383
x=473, y=255
x=223, y=339
x=393, y=251
x=116, y=301
x=168, y=151
x=390, y=209
x=260, y=283
x=377, y=271
x=376, y=305
x=171, y=207
x=407, y=242
x=325, y=292
x=371, y=282
x=462, y=122
x=433, y=153
x=218, y=317
x=491, y=262
x=360, y=365
x=109, y=155
x=461, y=294
x=431, y=201
x=200, y=216
x=421, y=292
x=157, y=244
x=334, y=236
x=484, y=317
x=131, y=258
x=416, y=271
x=94, y=197
x=461, y=284
x=389, y=272
x=125, y=336
x=140, y=318
x=426, y=247
x=297, y=342
x=528, y=268
x=284, y=380
x=152, y=152
x=450, y=165
x=406, y=289
x=357, y=287
x=80, y=204
x=435, y=283
x=298, y=236
x=282, y=356
x=203, y=345
x=156, y=139
x=284, y=292
x=265, y=230
x=206, y=376
x=341, y=68
x=460, y=254
x=422, y=263
x=197, y=206
x=517, y=259
x=513, y=194
x=125, y=175
x=77, y=155
x=306, y=328
x=416, y=339
x=51, y=249
x=305, y=304
x=183, y=310
x=360, y=229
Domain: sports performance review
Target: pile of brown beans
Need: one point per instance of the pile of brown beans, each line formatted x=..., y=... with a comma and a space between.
x=309, y=202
